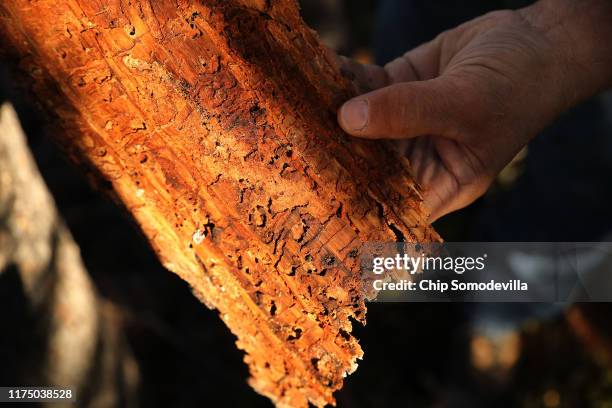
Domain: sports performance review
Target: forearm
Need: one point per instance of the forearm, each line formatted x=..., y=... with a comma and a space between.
x=580, y=31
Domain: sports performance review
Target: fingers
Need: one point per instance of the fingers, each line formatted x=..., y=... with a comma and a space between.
x=419, y=64
x=367, y=76
x=443, y=194
x=450, y=174
x=417, y=101
x=403, y=110
x=444, y=200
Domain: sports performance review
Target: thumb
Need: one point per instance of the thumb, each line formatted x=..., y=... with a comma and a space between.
x=404, y=110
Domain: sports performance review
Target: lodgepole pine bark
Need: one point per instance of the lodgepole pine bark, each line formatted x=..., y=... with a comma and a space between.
x=214, y=123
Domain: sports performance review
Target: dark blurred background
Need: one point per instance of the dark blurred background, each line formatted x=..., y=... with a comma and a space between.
x=421, y=355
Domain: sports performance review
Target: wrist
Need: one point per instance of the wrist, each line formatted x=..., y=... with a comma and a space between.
x=580, y=34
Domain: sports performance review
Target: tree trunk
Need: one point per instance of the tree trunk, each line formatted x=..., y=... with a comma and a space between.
x=72, y=336
x=214, y=124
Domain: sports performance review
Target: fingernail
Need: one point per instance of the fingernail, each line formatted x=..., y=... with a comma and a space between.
x=355, y=114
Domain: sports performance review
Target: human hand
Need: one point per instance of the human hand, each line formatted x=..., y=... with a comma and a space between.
x=467, y=102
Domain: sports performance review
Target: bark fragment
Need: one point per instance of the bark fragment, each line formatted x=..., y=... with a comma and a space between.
x=214, y=122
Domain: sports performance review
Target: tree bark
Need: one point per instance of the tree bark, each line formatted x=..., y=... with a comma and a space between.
x=214, y=124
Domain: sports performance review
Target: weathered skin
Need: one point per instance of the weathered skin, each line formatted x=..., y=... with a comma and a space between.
x=214, y=123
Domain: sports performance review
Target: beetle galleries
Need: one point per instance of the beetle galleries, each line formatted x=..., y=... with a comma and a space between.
x=422, y=263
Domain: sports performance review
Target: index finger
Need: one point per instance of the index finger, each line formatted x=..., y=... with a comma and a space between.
x=368, y=77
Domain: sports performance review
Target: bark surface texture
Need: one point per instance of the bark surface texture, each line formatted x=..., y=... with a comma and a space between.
x=213, y=122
